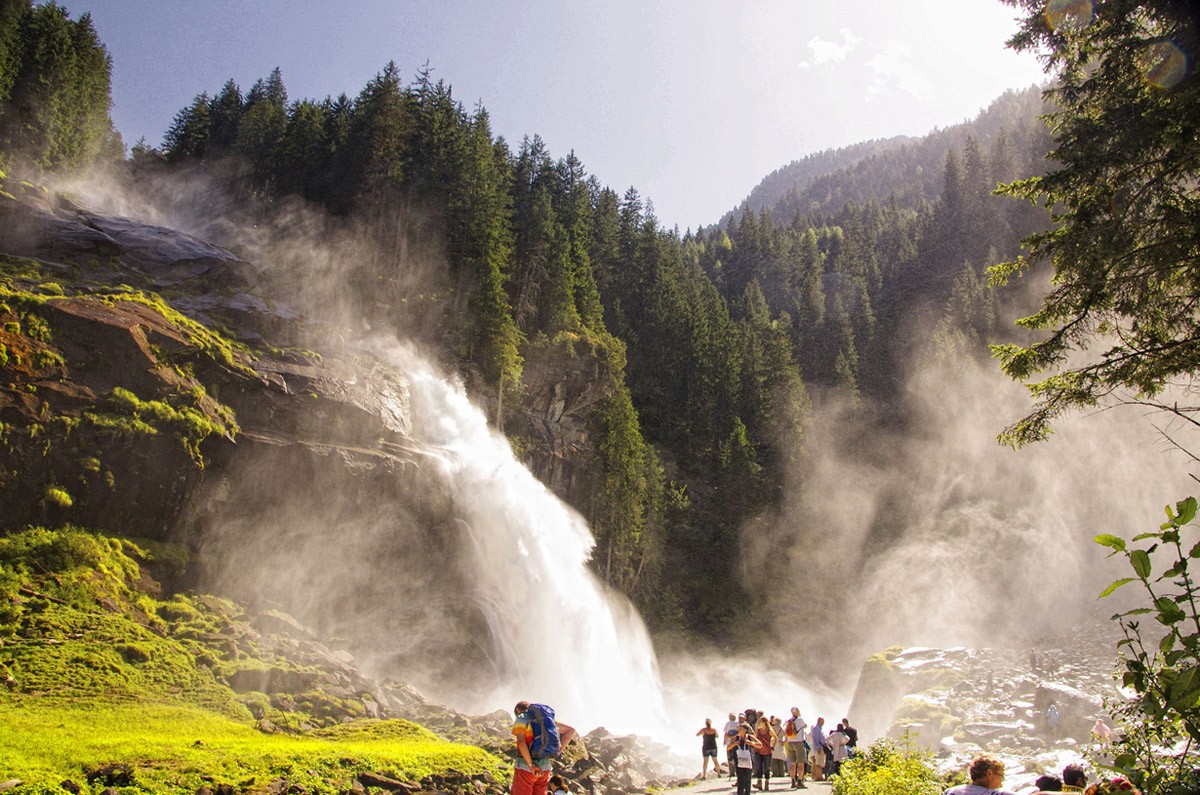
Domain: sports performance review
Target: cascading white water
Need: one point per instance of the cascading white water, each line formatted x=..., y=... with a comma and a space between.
x=557, y=635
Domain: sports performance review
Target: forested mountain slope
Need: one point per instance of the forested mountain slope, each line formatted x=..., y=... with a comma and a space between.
x=905, y=170
x=660, y=384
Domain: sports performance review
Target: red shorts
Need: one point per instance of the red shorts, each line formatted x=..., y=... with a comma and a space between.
x=527, y=783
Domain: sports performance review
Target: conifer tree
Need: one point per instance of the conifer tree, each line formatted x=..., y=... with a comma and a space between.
x=189, y=133
x=54, y=89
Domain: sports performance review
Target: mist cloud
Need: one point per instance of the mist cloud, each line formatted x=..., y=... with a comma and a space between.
x=908, y=524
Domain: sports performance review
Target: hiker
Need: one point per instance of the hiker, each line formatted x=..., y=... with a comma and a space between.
x=743, y=747
x=1052, y=718
x=778, y=753
x=837, y=748
x=851, y=736
x=731, y=729
x=816, y=752
x=1101, y=733
x=708, y=749
x=762, y=754
x=795, y=732
x=987, y=774
x=558, y=786
x=535, y=730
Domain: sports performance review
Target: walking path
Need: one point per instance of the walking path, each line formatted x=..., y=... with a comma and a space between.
x=725, y=786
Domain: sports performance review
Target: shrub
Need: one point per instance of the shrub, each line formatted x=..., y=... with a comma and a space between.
x=888, y=768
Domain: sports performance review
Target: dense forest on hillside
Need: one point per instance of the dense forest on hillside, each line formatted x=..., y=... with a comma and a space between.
x=706, y=349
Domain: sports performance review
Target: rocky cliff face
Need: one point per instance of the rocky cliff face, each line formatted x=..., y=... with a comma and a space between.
x=119, y=400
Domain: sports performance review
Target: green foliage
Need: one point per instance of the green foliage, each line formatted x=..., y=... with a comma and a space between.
x=888, y=767
x=104, y=672
x=1123, y=197
x=54, y=89
x=58, y=496
x=177, y=748
x=1162, y=664
x=191, y=425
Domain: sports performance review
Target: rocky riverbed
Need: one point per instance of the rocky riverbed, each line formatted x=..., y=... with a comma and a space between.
x=959, y=702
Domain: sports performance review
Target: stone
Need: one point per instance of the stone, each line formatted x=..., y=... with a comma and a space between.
x=111, y=776
x=71, y=787
x=385, y=782
x=12, y=782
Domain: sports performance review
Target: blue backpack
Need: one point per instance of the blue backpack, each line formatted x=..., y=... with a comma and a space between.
x=545, y=743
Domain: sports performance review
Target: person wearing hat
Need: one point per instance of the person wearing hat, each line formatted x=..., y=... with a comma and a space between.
x=795, y=732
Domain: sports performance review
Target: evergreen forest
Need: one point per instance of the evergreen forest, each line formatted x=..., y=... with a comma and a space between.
x=710, y=345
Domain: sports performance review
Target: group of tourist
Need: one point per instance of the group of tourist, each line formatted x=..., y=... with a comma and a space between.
x=987, y=778
x=759, y=747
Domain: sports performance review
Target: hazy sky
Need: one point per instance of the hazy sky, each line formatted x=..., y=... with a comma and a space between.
x=690, y=101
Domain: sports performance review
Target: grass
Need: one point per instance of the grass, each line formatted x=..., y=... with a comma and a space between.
x=103, y=673
x=176, y=748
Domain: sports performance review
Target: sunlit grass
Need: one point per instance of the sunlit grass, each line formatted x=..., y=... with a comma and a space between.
x=178, y=748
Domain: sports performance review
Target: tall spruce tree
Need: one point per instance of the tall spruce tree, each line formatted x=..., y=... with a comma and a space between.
x=1126, y=245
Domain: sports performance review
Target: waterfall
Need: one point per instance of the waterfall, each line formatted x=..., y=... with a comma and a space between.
x=557, y=634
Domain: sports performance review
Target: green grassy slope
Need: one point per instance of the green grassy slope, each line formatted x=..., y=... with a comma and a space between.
x=111, y=684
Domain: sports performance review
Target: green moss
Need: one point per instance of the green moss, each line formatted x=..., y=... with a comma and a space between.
x=217, y=347
x=51, y=288
x=56, y=495
x=131, y=415
x=45, y=359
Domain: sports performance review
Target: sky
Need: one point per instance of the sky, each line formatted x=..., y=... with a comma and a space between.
x=692, y=102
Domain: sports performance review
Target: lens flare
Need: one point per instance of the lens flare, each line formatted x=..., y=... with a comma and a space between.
x=1163, y=63
x=1066, y=16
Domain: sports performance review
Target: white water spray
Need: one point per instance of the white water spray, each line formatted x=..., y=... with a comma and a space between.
x=558, y=636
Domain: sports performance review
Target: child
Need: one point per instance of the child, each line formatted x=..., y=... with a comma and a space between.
x=558, y=786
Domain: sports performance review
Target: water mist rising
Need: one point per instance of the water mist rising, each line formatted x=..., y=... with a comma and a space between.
x=453, y=568
x=556, y=635
x=915, y=527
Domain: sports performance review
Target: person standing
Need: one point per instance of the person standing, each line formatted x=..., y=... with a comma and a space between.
x=743, y=747
x=531, y=772
x=816, y=754
x=708, y=749
x=837, y=748
x=795, y=734
x=731, y=730
x=762, y=754
x=778, y=752
x=1052, y=718
x=851, y=735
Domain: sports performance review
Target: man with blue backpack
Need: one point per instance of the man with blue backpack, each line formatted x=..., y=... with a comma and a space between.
x=539, y=739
